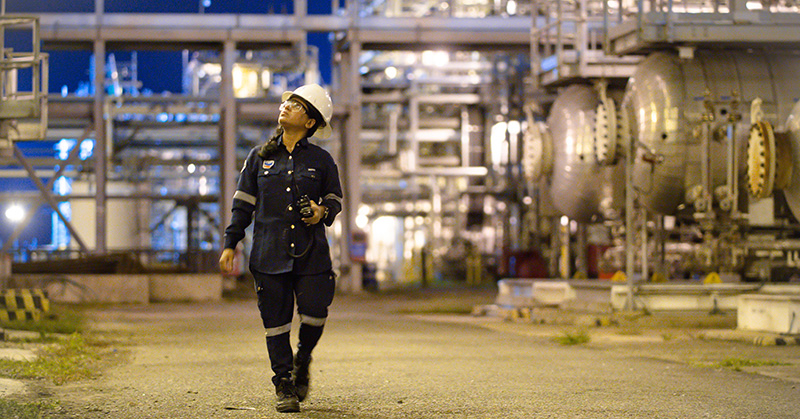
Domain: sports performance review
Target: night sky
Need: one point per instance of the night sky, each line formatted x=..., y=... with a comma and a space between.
x=159, y=71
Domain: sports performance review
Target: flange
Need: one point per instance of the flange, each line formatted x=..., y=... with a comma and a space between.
x=607, y=131
x=537, y=156
x=761, y=160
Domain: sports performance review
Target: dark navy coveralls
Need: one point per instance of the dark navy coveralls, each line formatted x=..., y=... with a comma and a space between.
x=288, y=258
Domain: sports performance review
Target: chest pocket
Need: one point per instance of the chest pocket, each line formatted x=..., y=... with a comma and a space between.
x=309, y=181
x=271, y=182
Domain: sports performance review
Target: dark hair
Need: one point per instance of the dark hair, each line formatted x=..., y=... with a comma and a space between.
x=312, y=113
x=271, y=145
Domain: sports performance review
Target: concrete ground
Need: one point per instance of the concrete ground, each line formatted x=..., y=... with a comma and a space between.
x=405, y=355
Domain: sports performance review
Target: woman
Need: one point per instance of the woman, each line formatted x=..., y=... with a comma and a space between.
x=291, y=187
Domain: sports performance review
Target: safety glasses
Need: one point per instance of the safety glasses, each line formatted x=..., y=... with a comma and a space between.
x=293, y=106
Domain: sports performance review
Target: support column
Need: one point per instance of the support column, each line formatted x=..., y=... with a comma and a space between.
x=227, y=163
x=630, y=304
x=350, y=166
x=100, y=143
x=645, y=238
x=565, y=254
x=581, y=257
x=300, y=8
x=555, y=248
x=413, y=128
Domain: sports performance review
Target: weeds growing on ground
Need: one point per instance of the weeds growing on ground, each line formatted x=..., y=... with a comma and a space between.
x=19, y=410
x=66, y=360
x=629, y=331
x=572, y=338
x=60, y=320
x=737, y=364
x=62, y=359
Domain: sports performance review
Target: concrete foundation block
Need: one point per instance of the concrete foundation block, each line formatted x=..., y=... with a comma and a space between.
x=769, y=313
x=680, y=297
x=532, y=292
x=553, y=292
x=515, y=293
x=98, y=289
x=188, y=287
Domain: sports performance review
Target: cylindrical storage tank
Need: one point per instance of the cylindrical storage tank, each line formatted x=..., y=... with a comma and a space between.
x=674, y=103
x=581, y=188
x=792, y=190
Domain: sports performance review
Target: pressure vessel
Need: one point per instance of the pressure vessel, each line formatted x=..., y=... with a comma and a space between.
x=688, y=114
x=581, y=187
x=792, y=190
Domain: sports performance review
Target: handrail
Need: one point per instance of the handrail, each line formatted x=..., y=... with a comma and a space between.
x=30, y=104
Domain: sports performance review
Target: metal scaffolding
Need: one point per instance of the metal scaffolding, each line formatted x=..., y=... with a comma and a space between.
x=358, y=30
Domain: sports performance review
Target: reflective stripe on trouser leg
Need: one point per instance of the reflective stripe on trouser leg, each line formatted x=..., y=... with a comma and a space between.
x=312, y=321
x=275, y=331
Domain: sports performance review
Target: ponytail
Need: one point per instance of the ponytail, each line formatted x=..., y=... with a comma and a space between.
x=271, y=145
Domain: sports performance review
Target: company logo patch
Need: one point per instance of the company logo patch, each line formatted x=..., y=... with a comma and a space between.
x=267, y=164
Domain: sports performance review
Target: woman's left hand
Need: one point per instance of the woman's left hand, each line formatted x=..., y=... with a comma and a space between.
x=319, y=213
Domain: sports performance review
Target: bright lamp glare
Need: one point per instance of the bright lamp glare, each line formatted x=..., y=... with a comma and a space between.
x=361, y=220
x=15, y=213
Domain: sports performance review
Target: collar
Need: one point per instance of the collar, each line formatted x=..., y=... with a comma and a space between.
x=303, y=142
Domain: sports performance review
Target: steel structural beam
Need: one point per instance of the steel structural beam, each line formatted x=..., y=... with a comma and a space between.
x=74, y=111
x=101, y=146
x=228, y=172
x=655, y=30
x=48, y=197
x=127, y=30
x=350, y=164
x=45, y=195
x=34, y=196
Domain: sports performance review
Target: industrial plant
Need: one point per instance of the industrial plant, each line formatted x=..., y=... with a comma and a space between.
x=646, y=150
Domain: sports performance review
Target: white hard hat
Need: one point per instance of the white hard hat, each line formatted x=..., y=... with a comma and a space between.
x=317, y=97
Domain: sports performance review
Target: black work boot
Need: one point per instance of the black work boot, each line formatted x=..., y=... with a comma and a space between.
x=287, y=396
x=301, y=375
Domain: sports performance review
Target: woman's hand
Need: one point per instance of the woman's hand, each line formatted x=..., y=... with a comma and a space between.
x=226, y=261
x=319, y=214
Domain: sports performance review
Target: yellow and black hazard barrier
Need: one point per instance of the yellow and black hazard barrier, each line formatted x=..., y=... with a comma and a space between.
x=21, y=315
x=24, y=299
x=23, y=304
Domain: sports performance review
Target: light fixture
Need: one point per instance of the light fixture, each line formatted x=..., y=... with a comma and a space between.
x=15, y=213
x=511, y=7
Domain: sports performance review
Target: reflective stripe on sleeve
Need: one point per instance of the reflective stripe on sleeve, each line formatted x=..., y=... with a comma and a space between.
x=275, y=331
x=333, y=197
x=312, y=321
x=244, y=196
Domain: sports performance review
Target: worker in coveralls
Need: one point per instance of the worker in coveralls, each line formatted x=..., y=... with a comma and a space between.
x=291, y=187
